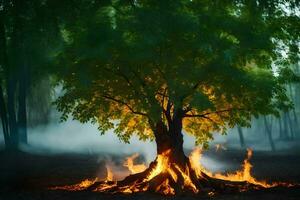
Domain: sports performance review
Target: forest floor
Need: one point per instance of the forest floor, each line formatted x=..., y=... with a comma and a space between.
x=25, y=176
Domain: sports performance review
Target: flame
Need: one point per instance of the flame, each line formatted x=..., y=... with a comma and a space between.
x=220, y=147
x=195, y=157
x=129, y=163
x=165, y=188
x=243, y=175
x=161, y=166
x=87, y=182
x=171, y=171
x=109, y=174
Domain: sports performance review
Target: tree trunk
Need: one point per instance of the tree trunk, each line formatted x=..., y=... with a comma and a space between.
x=241, y=136
x=3, y=116
x=296, y=125
x=4, y=63
x=269, y=133
x=285, y=126
x=13, y=129
x=172, y=139
x=280, y=128
x=22, y=114
x=290, y=125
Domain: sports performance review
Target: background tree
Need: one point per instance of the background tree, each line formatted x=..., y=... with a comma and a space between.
x=29, y=37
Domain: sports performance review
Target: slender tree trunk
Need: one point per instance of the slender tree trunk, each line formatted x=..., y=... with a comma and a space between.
x=22, y=114
x=296, y=125
x=13, y=129
x=241, y=136
x=3, y=116
x=290, y=123
x=4, y=63
x=285, y=126
x=269, y=133
x=280, y=127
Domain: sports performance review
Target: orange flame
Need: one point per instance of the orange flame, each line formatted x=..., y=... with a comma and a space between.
x=163, y=165
x=129, y=163
x=109, y=174
x=239, y=176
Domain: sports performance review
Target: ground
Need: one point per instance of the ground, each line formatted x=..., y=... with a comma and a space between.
x=26, y=177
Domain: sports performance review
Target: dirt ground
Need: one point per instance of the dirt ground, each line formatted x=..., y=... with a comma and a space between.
x=26, y=177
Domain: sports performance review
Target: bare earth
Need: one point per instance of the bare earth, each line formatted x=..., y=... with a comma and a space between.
x=26, y=176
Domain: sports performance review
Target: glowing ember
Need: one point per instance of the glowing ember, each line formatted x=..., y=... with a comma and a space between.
x=129, y=163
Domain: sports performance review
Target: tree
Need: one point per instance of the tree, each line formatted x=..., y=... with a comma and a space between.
x=155, y=68
x=268, y=129
x=241, y=137
x=28, y=37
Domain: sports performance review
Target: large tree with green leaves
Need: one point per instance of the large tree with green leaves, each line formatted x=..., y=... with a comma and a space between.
x=158, y=68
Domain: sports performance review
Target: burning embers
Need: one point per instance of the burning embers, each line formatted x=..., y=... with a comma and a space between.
x=168, y=178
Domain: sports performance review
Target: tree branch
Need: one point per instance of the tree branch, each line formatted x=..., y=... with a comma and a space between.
x=125, y=104
x=209, y=113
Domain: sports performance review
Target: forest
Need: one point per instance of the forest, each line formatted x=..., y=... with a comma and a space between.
x=143, y=99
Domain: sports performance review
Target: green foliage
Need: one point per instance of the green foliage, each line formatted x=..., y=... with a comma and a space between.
x=125, y=63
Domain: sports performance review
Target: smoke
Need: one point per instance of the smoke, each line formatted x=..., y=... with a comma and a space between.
x=74, y=137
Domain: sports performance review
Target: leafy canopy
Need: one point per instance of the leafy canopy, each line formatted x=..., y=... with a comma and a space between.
x=131, y=64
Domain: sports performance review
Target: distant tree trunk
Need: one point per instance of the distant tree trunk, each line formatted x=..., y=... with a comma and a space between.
x=290, y=123
x=296, y=125
x=285, y=126
x=293, y=124
x=269, y=133
x=13, y=129
x=281, y=134
x=4, y=63
x=22, y=114
x=3, y=116
x=241, y=136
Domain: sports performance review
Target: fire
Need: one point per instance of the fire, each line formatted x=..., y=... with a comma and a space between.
x=195, y=157
x=243, y=175
x=161, y=166
x=165, y=188
x=109, y=174
x=220, y=147
x=165, y=176
x=87, y=182
x=129, y=163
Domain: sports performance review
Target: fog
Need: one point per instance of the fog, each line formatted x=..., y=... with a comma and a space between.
x=74, y=137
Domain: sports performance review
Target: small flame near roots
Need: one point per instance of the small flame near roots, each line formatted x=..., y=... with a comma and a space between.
x=170, y=173
x=129, y=163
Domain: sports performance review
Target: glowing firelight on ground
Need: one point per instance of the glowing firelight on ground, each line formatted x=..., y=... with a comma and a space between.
x=164, y=167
